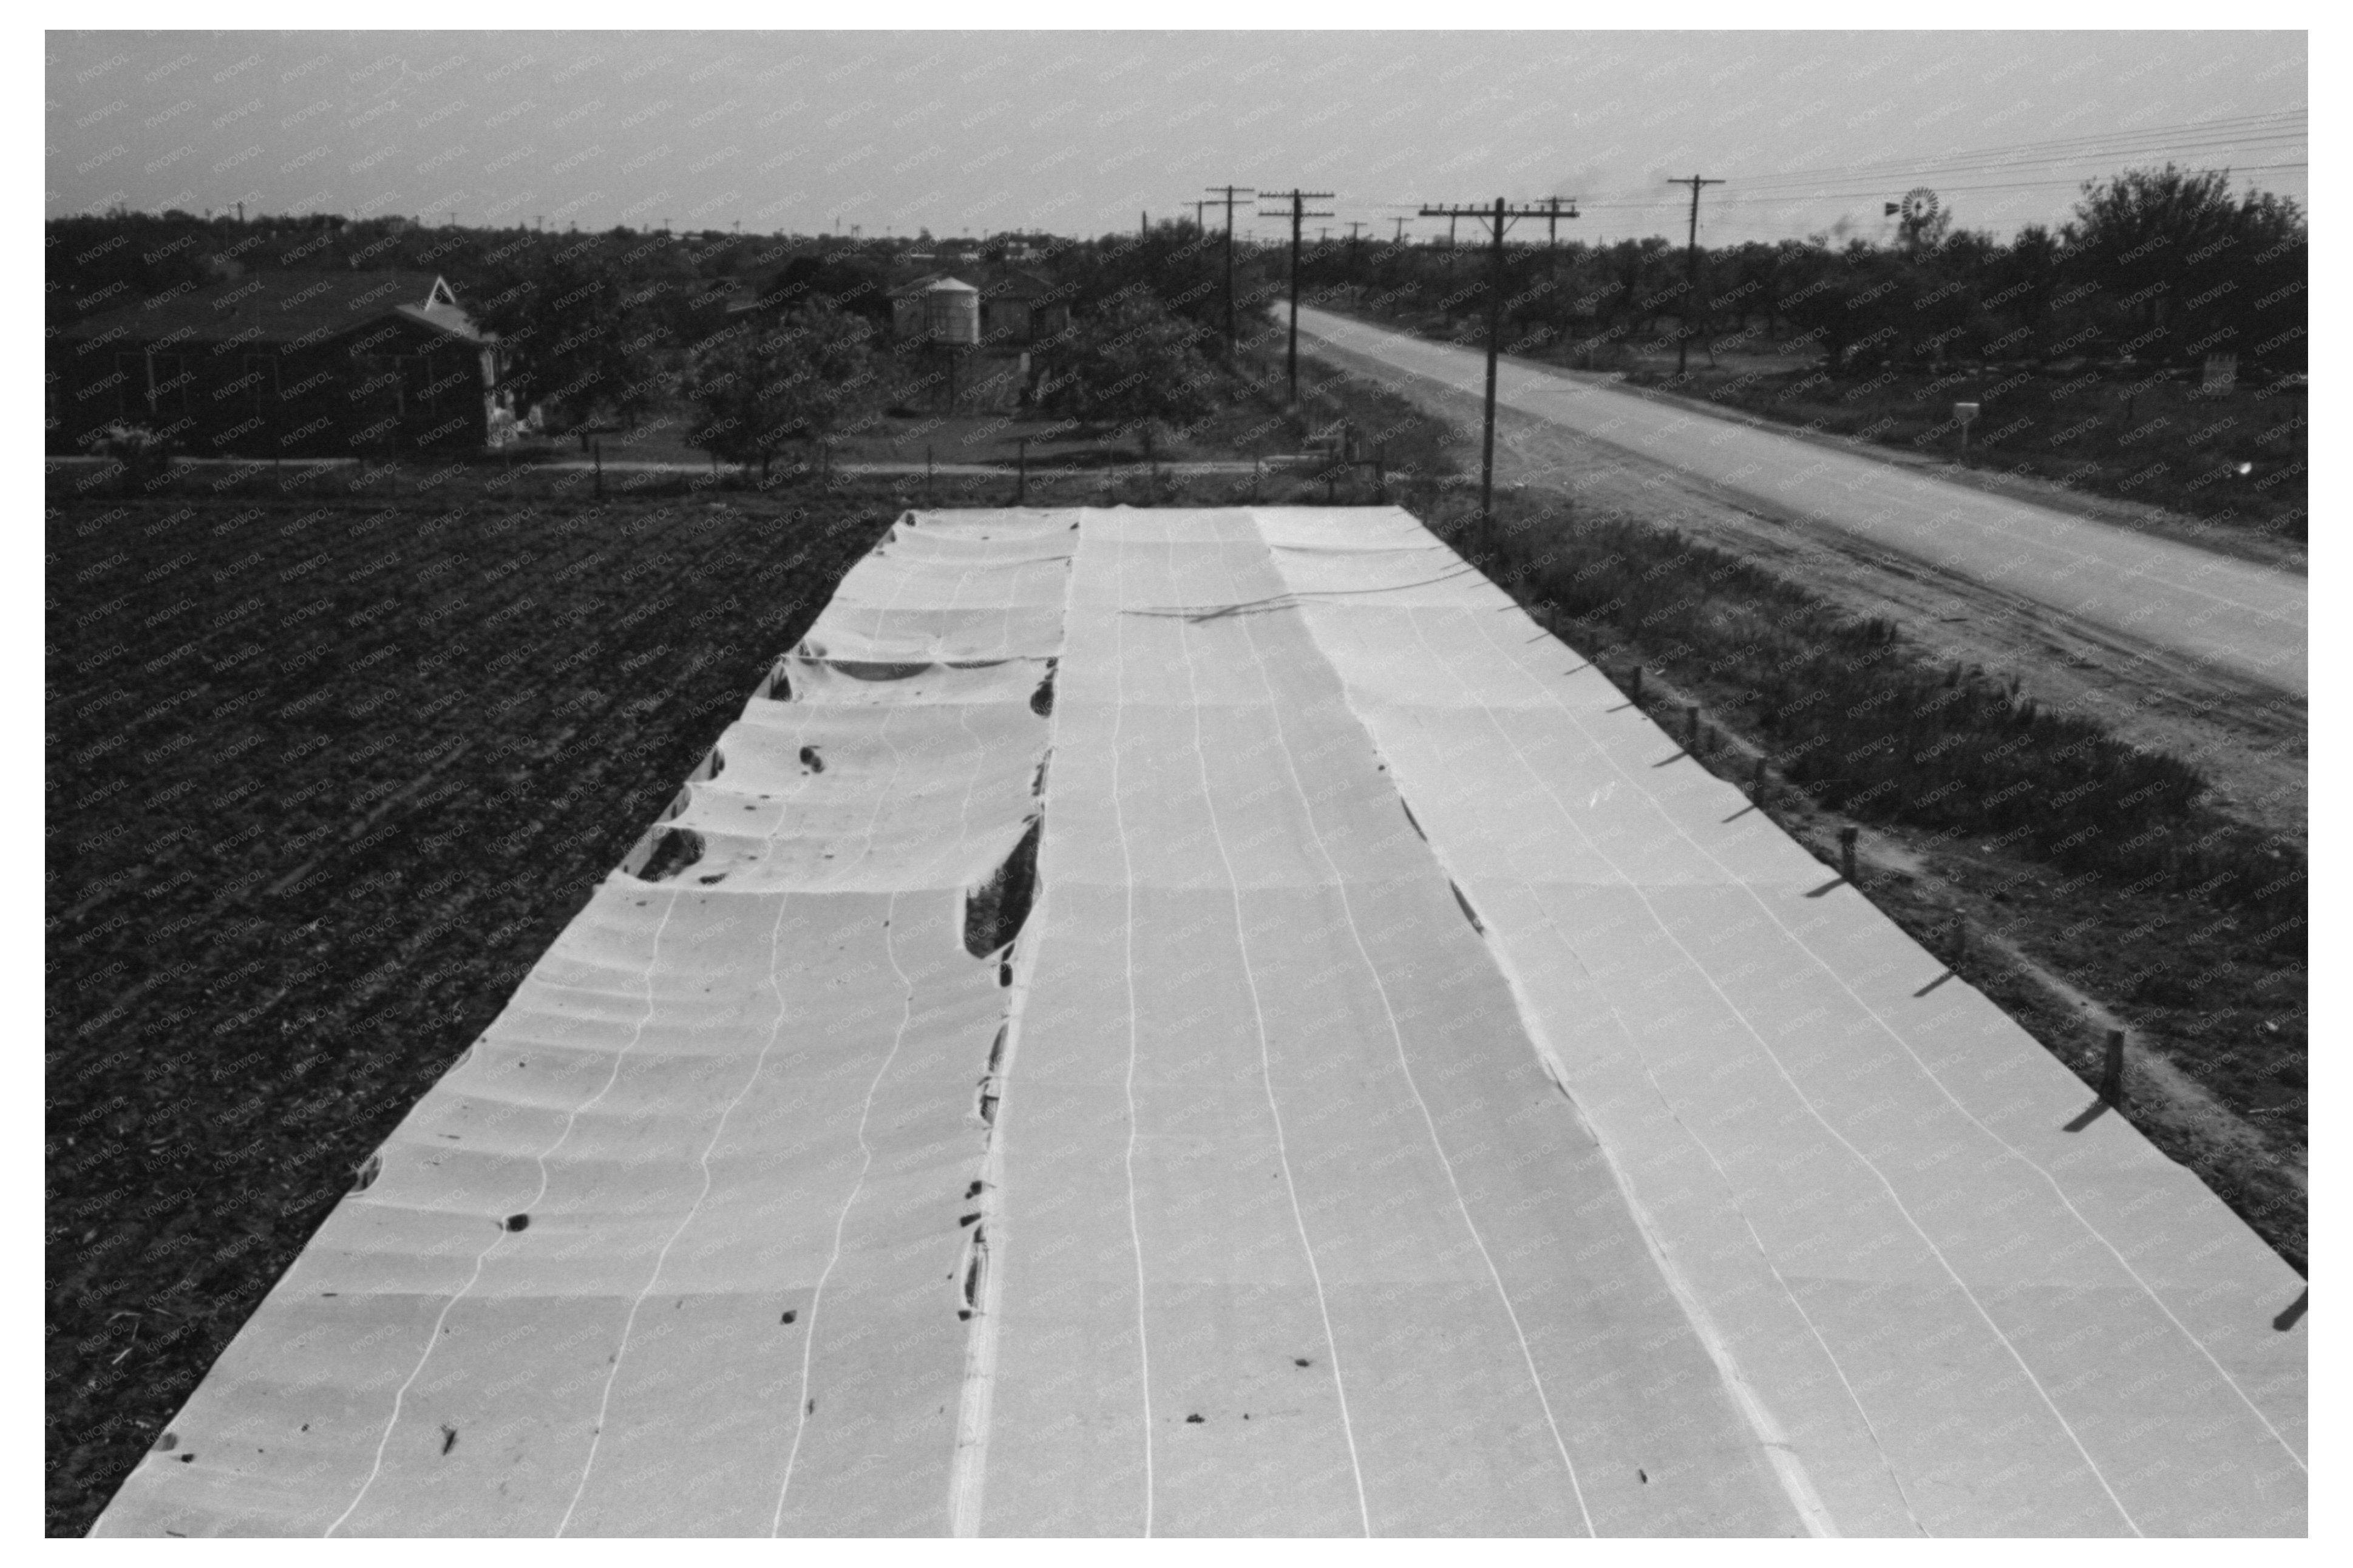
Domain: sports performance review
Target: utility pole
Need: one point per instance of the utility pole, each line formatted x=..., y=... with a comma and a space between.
x=1398, y=237
x=1199, y=208
x=1498, y=218
x=1230, y=193
x=1691, y=271
x=1553, y=215
x=1298, y=200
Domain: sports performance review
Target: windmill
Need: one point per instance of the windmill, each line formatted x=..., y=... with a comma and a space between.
x=1914, y=214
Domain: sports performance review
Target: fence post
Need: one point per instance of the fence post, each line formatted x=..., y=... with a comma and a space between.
x=1846, y=854
x=2112, y=1071
x=1691, y=723
x=1636, y=691
x=1756, y=784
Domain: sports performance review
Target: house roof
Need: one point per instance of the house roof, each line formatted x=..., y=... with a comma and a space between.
x=288, y=307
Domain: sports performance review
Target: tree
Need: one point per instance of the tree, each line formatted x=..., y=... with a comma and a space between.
x=1133, y=363
x=2268, y=311
x=2140, y=237
x=2193, y=269
x=567, y=339
x=804, y=378
x=1175, y=264
x=2025, y=276
x=841, y=283
x=1840, y=300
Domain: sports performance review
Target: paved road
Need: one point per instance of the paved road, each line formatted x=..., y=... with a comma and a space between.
x=1419, y=1101
x=2246, y=619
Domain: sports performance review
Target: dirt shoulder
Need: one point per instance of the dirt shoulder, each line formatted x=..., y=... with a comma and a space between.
x=1987, y=475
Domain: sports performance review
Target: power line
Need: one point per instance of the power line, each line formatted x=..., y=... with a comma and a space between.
x=2137, y=137
x=1552, y=219
x=1796, y=197
x=1298, y=200
x=1498, y=219
x=2259, y=132
x=1690, y=273
x=1229, y=193
x=1933, y=167
x=1999, y=185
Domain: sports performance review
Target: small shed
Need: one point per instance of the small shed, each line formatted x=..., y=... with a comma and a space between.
x=1020, y=308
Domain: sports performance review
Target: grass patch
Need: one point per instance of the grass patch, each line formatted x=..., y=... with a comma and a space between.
x=2237, y=458
x=2101, y=862
x=1843, y=709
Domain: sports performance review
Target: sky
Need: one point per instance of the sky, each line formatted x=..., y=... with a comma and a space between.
x=1081, y=133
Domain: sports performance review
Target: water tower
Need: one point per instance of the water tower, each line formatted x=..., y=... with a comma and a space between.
x=952, y=313
x=952, y=325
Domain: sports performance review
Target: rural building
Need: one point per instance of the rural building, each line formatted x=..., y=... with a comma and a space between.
x=1017, y=309
x=293, y=364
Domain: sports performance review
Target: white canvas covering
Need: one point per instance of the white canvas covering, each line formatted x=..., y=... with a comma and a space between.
x=1417, y=1101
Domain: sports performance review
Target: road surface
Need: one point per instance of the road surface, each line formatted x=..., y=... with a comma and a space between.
x=1418, y=1100
x=2241, y=617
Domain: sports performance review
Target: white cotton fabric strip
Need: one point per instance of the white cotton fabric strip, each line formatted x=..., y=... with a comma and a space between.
x=1968, y=1319
x=750, y=1089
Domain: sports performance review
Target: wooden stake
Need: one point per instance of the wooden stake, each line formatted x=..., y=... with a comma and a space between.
x=1846, y=853
x=2112, y=1071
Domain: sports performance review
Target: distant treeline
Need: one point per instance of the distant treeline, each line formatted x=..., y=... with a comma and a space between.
x=610, y=325
x=2158, y=265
